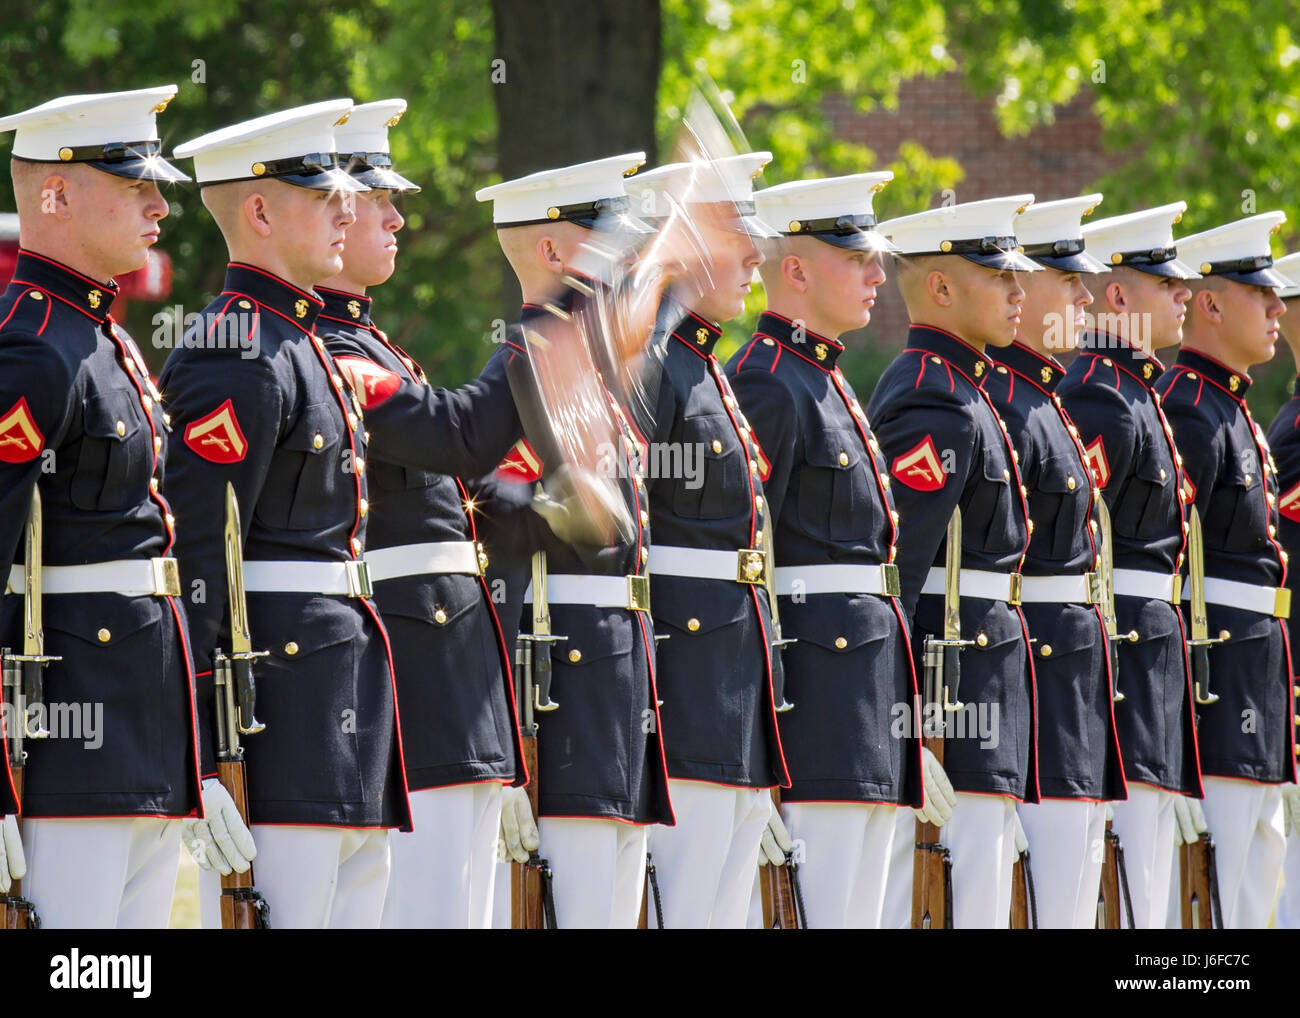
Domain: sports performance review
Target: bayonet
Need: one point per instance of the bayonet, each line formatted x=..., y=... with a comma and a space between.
x=1106, y=581
x=1200, y=642
x=778, y=640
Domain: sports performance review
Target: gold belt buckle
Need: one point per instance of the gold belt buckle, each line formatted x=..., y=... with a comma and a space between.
x=166, y=577
x=359, y=579
x=1178, y=589
x=481, y=554
x=751, y=566
x=638, y=593
x=1282, y=603
x=1095, y=594
x=889, y=574
x=1013, y=589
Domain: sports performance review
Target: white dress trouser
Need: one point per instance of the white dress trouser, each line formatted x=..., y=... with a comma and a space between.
x=444, y=871
x=598, y=869
x=102, y=874
x=843, y=851
x=1067, y=842
x=1288, y=904
x=313, y=878
x=1144, y=823
x=897, y=914
x=1245, y=820
x=706, y=864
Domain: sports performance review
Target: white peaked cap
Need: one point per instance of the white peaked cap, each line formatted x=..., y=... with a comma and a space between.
x=1051, y=233
x=580, y=193
x=113, y=131
x=1239, y=251
x=727, y=180
x=1140, y=240
x=1289, y=266
x=363, y=145
x=837, y=210
x=296, y=146
x=981, y=231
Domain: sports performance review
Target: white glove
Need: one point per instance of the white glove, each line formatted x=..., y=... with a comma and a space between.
x=776, y=840
x=518, y=829
x=223, y=841
x=1290, y=809
x=13, y=864
x=1022, y=842
x=594, y=522
x=1189, y=820
x=939, y=796
x=1109, y=816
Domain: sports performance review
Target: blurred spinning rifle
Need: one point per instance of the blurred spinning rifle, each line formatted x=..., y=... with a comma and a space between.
x=24, y=699
x=532, y=901
x=242, y=905
x=779, y=888
x=941, y=659
x=1198, y=875
x=1114, y=878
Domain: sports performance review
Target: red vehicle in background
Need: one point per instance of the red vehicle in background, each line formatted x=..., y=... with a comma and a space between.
x=153, y=282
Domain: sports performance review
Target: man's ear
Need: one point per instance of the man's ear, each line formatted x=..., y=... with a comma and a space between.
x=793, y=273
x=939, y=287
x=1206, y=302
x=1114, y=294
x=55, y=200
x=257, y=213
x=550, y=254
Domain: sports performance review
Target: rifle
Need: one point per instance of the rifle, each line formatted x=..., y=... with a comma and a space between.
x=1106, y=581
x=242, y=905
x=932, y=863
x=1024, y=902
x=1198, y=878
x=532, y=904
x=1114, y=879
x=24, y=694
x=779, y=885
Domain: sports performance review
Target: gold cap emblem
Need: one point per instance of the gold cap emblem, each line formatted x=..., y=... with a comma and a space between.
x=392, y=121
x=162, y=105
x=343, y=119
x=300, y=308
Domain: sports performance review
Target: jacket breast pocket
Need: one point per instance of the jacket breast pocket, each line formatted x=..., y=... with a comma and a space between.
x=1146, y=507
x=716, y=488
x=836, y=495
x=986, y=517
x=1060, y=503
x=307, y=473
x=1238, y=517
x=115, y=460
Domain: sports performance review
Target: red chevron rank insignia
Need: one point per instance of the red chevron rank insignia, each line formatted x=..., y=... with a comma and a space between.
x=372, y=384
x=919, y=468
x=1289, y=504
x=217, y=437
x=520, y=464
x=20, y=438
x=1097, y=462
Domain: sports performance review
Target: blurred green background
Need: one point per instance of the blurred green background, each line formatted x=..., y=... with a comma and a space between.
x=1197, y=101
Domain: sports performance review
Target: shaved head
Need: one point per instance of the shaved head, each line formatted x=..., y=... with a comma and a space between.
x=225, y=202
x=539, y=253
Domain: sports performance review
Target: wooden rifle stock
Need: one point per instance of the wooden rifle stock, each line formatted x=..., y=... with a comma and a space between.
x=776, y=888
x=527, y=894
x=16, y=912
x=1198, y=884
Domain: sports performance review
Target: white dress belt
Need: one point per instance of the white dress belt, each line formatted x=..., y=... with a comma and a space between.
x=138, y=577
x=746, y=565
x=976, y=583
x=1144, y=583
x=418, y=559
x=838, y=578
x=344, y=579
x=1075, y=589
x=1274, y=601
x=630, y=592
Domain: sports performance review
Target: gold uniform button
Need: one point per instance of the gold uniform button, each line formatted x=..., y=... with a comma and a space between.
x=884, y=480
x=104, y=636
x=245, y=305
x=361, y=466
x=640, y=482
x=440, y=617
x=693, y=625
x=982, y=639
x=37, y=296
x=1045, y=650
x=1295, y=690
x=875, y=446
x=893, y=515
x=1069, y=483
x=841, y=643
x=318, y=441
x=291, y=648
x=1248, y=479
x=1107, y=361
x=365, y=507
x=148, y=403
x=645, y=518
x=352, y=422
x=153, y=485
x=935, y=360
x=758, y=501
x=1031, y=525
x=645, y=554
x=575, y=656
x=1024, y=492
x=121, y=428
x=1272, y=530
x=717, y=446
x=356, y=546
x=844, y=459
x=337, y=380
x=1191, y=375
x=171, y=521
x=157, y=444
x=758, y=539
x=1162, y=473
x=1270, y=498
x=769, y=342
x=1006, y=474
x=167, y=420
x=1133, y=636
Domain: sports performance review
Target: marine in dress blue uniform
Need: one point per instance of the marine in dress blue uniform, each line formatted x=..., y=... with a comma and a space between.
x=426, y=563
x=947, y=447
x=1284, y=445
x=1247, y=735
x=834, y=532
x=1109, y=393
x=600, y=754
x=81, y=421
x=1078, y=750
x=273, y=416
x=707, y=569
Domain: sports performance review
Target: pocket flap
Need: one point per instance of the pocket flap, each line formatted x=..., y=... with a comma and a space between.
x=111, y=415
x=594, y=639
x=318, y=429
x=101, y=620
x=838, y=451
x=296, y=628
x=695, y=607
x=828, y=619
